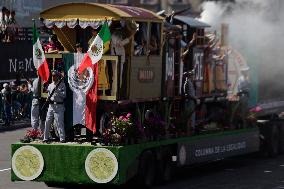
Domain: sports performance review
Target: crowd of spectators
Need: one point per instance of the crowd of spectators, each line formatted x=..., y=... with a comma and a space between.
x=15, y=103
x=8, y=25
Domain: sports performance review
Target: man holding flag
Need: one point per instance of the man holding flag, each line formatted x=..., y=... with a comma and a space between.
x=43, y=75
x=117, y=48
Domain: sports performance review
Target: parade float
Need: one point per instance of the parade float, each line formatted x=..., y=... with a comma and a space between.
x=137, y=116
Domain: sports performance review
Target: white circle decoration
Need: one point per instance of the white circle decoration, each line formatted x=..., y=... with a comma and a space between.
x=182, y=155
x=80, y=82
x=27, y=163
x=101, y=165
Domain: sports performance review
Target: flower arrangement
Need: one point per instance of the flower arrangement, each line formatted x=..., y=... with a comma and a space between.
x=122, y=124
x=31, y=135
x=121, y=128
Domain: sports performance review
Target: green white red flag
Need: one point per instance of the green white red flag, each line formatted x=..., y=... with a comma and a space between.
x=39, y=60
x=95, y=52
x=84, y=96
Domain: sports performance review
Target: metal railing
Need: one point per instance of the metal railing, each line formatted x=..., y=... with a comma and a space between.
x=103, y=71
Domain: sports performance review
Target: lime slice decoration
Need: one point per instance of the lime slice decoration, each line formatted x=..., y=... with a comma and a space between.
x=27, y=163
x=101, y=165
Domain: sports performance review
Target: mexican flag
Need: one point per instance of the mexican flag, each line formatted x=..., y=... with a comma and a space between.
x=95, y=52
x=39, y=57
x=81, y=103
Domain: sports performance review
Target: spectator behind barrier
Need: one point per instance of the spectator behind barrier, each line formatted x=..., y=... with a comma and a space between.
x=7, y=101
x=53, y=46
x=16, y=105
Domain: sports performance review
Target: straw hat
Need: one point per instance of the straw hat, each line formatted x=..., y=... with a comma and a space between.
x=244, y=69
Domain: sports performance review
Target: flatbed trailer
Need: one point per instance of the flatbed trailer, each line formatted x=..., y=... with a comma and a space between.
x=155, y=160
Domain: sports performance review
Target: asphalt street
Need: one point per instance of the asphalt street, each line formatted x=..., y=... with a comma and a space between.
x=245, y=172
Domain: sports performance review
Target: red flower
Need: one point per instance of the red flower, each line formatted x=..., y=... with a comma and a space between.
x=33, y=133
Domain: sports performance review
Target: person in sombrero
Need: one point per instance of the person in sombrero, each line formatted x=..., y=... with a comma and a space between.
x=118, y=42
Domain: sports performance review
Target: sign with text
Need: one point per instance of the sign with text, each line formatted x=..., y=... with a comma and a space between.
x=146, y=74
x=16, y=60
x=217, y=147
x=198, y=67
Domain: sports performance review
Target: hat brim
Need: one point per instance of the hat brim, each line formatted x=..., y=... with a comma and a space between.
x=131, y=26
x=245, y=69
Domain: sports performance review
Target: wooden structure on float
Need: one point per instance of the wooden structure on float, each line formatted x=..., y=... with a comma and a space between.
x=144, y=72
x=210, y=73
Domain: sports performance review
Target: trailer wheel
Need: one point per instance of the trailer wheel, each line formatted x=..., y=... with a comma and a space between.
x=165, y=168
x=281, y=138
x=273, y=140
x=168, y=170
x=147, y=169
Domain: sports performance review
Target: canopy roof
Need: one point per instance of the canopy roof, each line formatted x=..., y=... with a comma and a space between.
x=97, y=12
x=191, y=21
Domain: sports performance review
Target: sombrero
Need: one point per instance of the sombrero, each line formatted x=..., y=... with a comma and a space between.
x=244, y=69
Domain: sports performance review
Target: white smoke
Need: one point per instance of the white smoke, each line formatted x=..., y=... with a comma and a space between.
x=256, y=29
x=250, y=21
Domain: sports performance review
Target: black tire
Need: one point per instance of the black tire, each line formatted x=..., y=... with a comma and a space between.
x=168, y=170
x=281, y=138
x=165, y=170
x=147, y=169
x=273, y=140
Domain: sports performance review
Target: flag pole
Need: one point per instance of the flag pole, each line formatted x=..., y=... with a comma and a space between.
x=39, y=59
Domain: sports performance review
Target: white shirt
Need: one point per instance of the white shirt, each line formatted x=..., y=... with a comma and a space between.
x=59, y=94
x=117, y=46
x=34, y=88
